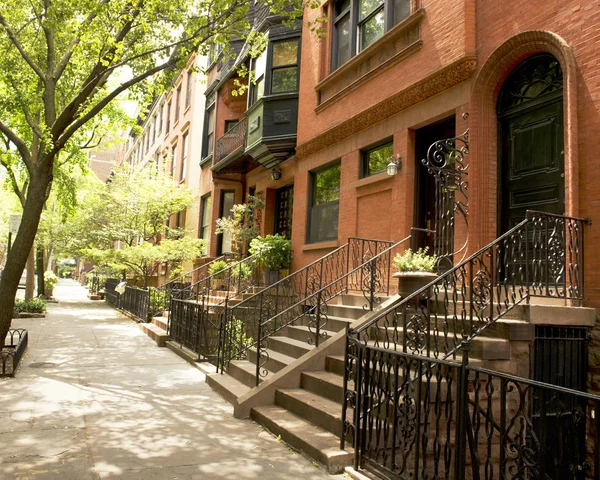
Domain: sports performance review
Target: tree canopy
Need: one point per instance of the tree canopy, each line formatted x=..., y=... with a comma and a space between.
x=64, y=62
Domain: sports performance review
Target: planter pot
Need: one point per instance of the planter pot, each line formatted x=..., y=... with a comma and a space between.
x=410, y=282
x=269, y=277
x=218, y=284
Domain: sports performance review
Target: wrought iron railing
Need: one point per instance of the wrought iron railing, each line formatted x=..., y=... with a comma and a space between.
x=193, y=322
x=420, y=417
x=136, y=301
x=234, y=139
x=541, y=256
x=359, y=266
x=15, y=345
x=110, y=294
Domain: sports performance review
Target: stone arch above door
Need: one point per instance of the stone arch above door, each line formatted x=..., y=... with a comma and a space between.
x=484, y=131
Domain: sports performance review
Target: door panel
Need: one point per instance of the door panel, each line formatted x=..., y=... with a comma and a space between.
x=284, y=204
x=532, y=174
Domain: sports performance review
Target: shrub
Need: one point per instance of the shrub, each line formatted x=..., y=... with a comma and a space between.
x=218, y=268
x=35, y=305
x=274, y=251
x=241, y=271
x=417, y=261
x=50, y=279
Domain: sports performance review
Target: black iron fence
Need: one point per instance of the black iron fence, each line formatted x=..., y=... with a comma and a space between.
x=541, y=256
x=198, y=308
x=361, y=266
x=422, y=418
x=111, y=295
x=136, y=301
x=15, y=345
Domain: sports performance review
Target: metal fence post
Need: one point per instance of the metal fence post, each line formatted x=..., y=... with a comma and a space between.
x=462, y=412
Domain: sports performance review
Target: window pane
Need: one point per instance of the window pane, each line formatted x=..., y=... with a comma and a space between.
x=285, y=80
x=342, y=32
x=259, y=89
x=401, y=10
x=368, y=6
x=260, y=64
x=205, y=221
x=372, y=29
x=376, y=160
x=285, y=52
x=211, y=121
x=327, y=185
x=324, y=222
x=341, y=6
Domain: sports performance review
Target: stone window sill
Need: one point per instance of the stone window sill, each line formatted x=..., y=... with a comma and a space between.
x=321, y=245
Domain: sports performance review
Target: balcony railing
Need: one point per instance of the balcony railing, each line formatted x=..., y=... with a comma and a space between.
x=231, y=141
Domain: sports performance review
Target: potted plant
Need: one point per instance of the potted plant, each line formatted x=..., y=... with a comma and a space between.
x=50, y=281
x=274, y=256
x=218, y=273
x=415, y=270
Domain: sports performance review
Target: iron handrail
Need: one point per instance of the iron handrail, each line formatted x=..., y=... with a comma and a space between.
x=447, y=274
x=183, y=276
x=323, y=297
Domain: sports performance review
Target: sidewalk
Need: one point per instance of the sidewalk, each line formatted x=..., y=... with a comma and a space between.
x=95, y=398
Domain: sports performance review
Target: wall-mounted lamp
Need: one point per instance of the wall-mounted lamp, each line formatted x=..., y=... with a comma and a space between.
x=394, y=165
x=275, y=174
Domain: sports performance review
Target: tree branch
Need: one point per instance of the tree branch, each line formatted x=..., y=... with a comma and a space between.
x=13, y=180
x=106, y=100
x=20, y=144
x=20, y=48
x=34, y=126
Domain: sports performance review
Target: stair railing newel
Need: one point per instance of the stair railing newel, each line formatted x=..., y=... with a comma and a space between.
x=400, y=351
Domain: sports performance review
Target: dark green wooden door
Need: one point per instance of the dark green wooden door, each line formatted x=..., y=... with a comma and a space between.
x=530, y=122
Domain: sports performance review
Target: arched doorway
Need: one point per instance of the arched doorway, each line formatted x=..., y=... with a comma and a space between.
x=531, y=141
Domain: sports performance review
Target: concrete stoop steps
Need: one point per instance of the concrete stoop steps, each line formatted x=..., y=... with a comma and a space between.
x=300, y=398
x=156, y=330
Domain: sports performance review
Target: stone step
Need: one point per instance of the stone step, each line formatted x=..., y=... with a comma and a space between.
x=289, y=346
x=312, y=407
x=316, y=442
x=335, y=364
x=332, y=324
x=245, y=372
x=324, y=383
x=352, y=312
x=355, y=300
x=161, y=322
x=228, y=387
x=276, y=361
x=155, y=332
x=302, y=333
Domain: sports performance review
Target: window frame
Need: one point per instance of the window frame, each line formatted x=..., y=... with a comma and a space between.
x=207, y=145
x=355, y=26
x=365, y=170
x=173, y=159
x=270, y=68
x=205, y=206
x=188, y=92
x=177, y=105
x=184, y=155
x=311, y=236
x=169, y=105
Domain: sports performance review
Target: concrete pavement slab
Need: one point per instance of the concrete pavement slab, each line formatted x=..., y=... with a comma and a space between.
x=108, y=403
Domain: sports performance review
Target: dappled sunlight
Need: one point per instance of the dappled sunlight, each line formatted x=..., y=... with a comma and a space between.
x=124, y=408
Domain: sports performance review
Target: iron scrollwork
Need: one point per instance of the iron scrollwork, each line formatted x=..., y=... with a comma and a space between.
x=447, y=163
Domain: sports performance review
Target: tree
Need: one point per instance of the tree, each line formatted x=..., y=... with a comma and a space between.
x=63, y=62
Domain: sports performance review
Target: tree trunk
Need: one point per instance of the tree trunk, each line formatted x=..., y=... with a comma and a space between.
x=39, y=265
x=30, y=279
x=16, y=259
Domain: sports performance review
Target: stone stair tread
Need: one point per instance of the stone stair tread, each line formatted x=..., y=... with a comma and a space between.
x=315, y=400
x=318, y=443
x=326, y=376
x=277, y=356
x=227, y=386
x=305, y=328
x=249, y=367
x=293, y=341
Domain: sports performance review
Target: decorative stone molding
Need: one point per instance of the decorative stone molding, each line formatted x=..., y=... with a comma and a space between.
x=445, y=78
